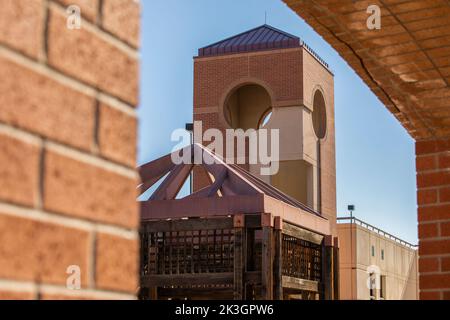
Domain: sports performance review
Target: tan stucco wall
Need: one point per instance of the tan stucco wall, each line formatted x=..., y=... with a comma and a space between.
x=399, y=264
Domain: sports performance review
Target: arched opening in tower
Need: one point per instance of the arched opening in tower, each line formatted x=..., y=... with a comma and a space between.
x=248, y=107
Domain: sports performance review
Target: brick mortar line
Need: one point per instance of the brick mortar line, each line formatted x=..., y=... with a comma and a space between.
x=102, y=34
x=96, y=128
x=435, y=154
x=92, y=259
x=66, y=80
x=26, y=286
x=43, y=56
x=434, y=273
x=433, y=221
x=90, y=159
x=436, y=204
x=434, y=187
x=21, y=135
x=438, y=290
x=100, y=293
x=38, y=140
x=437, y=255
x=13, y=210
x=99, y=21
x=117, y=104
x=434, y=239
x=41, y=177
x=439, y=170
x=76, y=154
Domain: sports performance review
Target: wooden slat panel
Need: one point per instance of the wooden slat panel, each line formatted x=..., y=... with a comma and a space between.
x=187, y=225
x=187, y=279
x=300, y=284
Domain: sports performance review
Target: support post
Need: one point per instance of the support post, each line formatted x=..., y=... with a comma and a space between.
x=267, y=258
x=336, y=269
x=278, y=275
x=328, y=269
x=153, y=293
x=239, y=257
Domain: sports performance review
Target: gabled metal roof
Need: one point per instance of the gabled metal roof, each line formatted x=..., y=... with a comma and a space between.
x=227, y=180
x=232, y=191
x=264, y=37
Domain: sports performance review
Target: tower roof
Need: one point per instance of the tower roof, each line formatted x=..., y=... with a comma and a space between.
x=264, y=37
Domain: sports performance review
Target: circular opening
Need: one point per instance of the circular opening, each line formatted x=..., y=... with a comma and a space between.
x=265, y=118
x=248, y=107
x=319, y=115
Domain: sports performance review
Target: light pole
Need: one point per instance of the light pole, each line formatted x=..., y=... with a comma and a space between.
x=351, y=208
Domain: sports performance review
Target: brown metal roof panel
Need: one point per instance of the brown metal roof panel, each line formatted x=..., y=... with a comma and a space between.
x=260, y=38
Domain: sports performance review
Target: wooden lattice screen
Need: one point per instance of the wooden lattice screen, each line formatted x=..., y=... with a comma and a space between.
x=182, y=252
x=301, y=259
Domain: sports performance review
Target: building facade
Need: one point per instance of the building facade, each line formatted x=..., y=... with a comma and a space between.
x=280, y=229
x=267, y=78
x=375, y=265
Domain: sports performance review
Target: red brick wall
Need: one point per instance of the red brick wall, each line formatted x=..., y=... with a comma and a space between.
x=279, y=71
x=68, y=149
x=433, y=195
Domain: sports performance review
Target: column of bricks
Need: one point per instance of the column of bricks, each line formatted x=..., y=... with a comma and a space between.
x=68, y=125
x=433, y=182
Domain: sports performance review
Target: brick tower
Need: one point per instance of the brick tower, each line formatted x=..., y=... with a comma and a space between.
x=267, y=78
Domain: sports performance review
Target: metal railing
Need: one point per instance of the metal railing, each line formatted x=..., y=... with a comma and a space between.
x=315, y=55
x=376, y=230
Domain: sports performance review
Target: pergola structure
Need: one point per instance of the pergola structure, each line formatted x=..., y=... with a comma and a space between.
x=236, y=238
x=406, y=63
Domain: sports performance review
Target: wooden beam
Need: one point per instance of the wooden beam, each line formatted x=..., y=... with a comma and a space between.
x=300, y=233
x=327, y=270
x=239, y=265
x=187, y=225
x=336, y=273
x=170, y=187
x=196, y=293
x=156, y=168
x=253, y=221
x=278, y=272
x=189, y=279
x=300, y=284
x=202, y=207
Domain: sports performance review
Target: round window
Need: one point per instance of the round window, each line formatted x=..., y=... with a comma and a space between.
x=319, y=115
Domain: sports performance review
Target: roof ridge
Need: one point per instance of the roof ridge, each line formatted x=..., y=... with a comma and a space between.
x=242, y=42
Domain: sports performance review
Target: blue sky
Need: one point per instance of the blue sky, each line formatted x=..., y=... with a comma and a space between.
x=375, y=155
